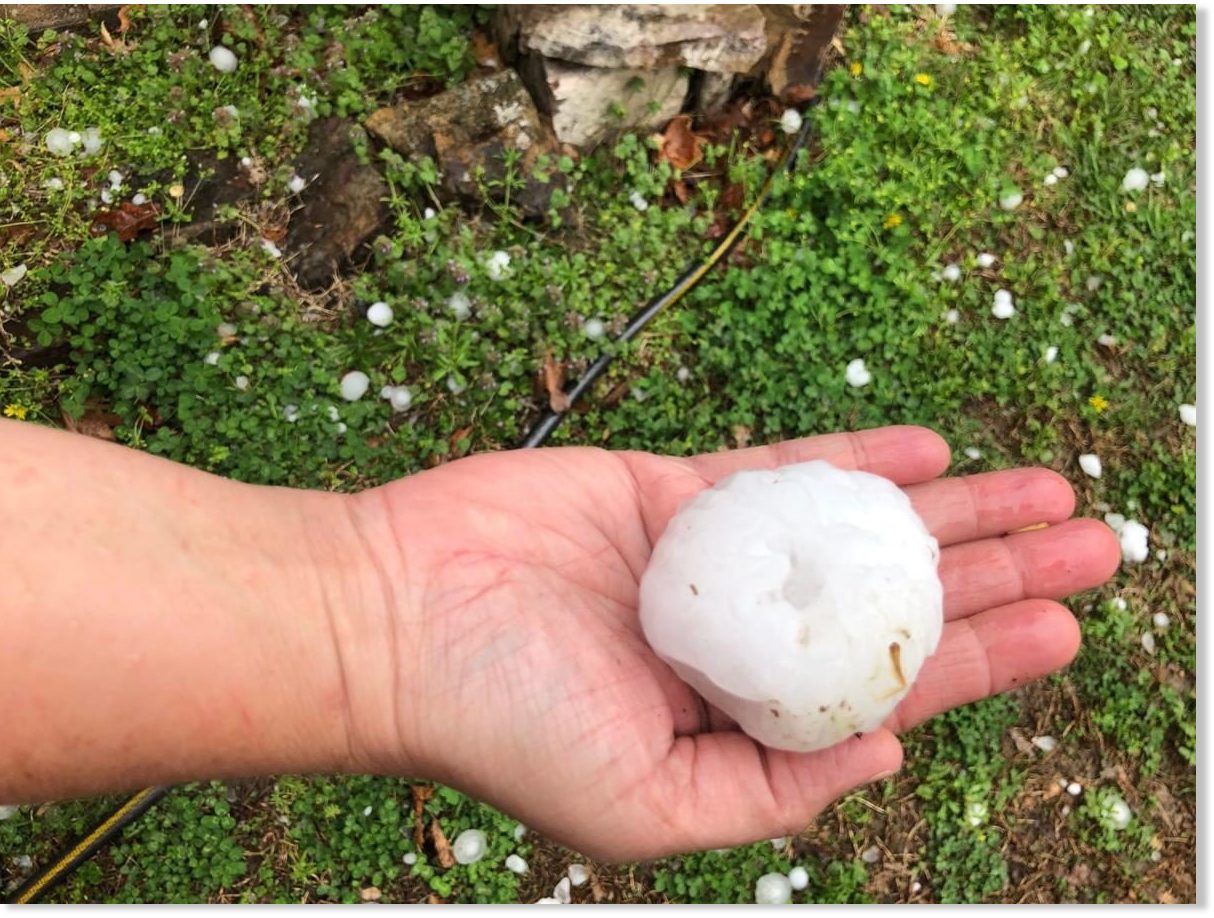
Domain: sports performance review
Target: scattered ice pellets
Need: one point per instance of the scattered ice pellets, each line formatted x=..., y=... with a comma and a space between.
x=354, y=385
x=1045, y=743
x=400, y=398
x=469, y=846
x=871, y=854
x=790, y=121
x=562, y=892
x=333, y=413
x=271, y=249
x=1051, y=354
x=951, y=273
x=379, y=314
x=1148, y=642
x=1091, y=465
x=975, y=813
x=290, y=413
x=1135, y=180
x=798, y=878
x=341, y=427
x=12, y=276
x=916, y=886
x=985, y=259
x=1133, y=537
x=773, y=889
x=1011, y=200
x=973, y=452
x=115, y=179
x=498, y=265
x=516, y=864
x=1061, y=172
x=211, y=359
x=1188, y=415
x=409, y=859
x=857, y=374
x=637, y=200
x=429, y=213
x=1003, y=308
x=459, y=305
x=520, y=830
x=682, y=374
x=1115, y=812
x=107, y=196
x=594, y=329
x=297, y=184
x=952, y=317
x=222, y=59
x=1161, y=555
x=578, y=874
x=23, y=862
x=1074, y=789
x=1120, y=603
x=1050, y=179
x=1106, y=340
x=1160, y=620
x=241, y=382
x=59, y=141
x=139, y=199
x=7, y=812
x=92, y=141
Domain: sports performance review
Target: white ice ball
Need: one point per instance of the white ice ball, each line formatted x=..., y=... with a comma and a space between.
x=1135, y=180
x=222, y=59
x=798, y=878
x=1188, y=415
x=469, y=846
x=516, y=864
x=857, y=374
x=354, y=385
x=773, y=889
x=1133, y=537
x=790, y=121
x=801, y=601
x=379, y=314
x=1091, y=465
x=59, y=141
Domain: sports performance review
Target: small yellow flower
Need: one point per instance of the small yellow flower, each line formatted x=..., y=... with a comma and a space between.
x=15, y=411
x=856, y=68
x=791, y=212
x=923, y=79
x=1131, y=207
x=892, y=220
x=1099, y=403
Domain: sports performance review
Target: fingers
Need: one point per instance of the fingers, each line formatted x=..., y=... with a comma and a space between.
x=904, y=455
x=988, y=653
x=1043, y=563
x=980, y=506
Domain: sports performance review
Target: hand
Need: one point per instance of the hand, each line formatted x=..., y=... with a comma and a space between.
x=522, y=676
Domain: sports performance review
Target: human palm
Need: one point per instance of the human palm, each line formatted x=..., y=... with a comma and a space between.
x=527, y=682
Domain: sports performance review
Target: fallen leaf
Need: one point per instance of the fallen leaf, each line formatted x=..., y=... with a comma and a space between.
x=433, y=899
x=124, y=19
x=680, y=146
x=370, y=894
x=484, y=52
x=113, y=45
x=741, y=436
x=1021, y=741
x=680, y=191
x=95, y=422
x=554, y=383
x=442, y=847
x=421, y=793
x=127, y=220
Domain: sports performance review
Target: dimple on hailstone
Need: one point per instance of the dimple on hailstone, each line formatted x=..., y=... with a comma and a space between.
x=801, y=601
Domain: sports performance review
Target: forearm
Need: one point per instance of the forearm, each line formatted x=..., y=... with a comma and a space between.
x=160, y=624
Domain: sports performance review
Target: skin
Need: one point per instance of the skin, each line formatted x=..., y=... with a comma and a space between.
x=474, y=624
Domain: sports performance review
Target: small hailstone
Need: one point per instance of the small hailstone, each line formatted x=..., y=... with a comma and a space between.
x=341, y=427
x=354, y=385
x=779, y=843
x=1188, y=415
x=59, y=141
x=1148, y=641
x=516, y=864
x=139, y=199
x=246, y=162
x=379, y=314
x=1115, y=812
x=498, y=265
x=985, y=259
x=222, y=59
x=429, y=213
x=241, y=382
x=409, y=859
x=1161, y=555
x=1106, y=340
x=290, y=413
x=54, y=183
x=1003, y=307
x=115, y=179
x=1068, y=246
x=562, y=892
x=1160, y=620
x=1074, y=789
x=7, y=812
x=230, y=110
x=333, y=414
x=916, y=886
x=211, y=359
x=976, y=813
x=11, y=276
x=951, y=273
x=798, y=878
x=368, y=810
x=92, y=141
x=1061, y=172
x=871, y=854
x=400, y=398
x=1011, y=200
x=973, y=452
x=297, y=184
x=946, y=9
x=773, y=889
x=952, y=317
x=520, y=830
x=469, y=846
x=857, y=374
x=270, y=248
x=1135, y=180
x=460, y=305
x=1045, y=743
x=1091, y=465
x=790, y=121
x=1050, y=179
x=23, y=862
x=637, y=200
x=594, y=329
x=682, y=374
x=225, y=330
x=1119, y=603
x=203, y=24
x=106, y=196
x=1133, y=538
x=578, y=874
x=1093, y=282
x=1157, y=178
x=1051, y=354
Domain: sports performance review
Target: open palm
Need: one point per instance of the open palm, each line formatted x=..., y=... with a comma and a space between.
x=525, y=679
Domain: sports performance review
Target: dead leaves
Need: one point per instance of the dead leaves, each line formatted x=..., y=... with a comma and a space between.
x=127, y=220
x=119, y=45
x=679, y=145
x=554, y=384
x=442, y=847
x=95, y=422
x=421, y=793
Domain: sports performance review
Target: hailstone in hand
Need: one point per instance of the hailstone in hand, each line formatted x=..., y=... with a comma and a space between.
x=801, y=601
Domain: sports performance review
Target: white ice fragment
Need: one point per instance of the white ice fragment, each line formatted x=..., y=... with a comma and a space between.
x=871, y=854
x=1106, y=340
x=211, y=359
x=857, y=374
x=594, y=329
x=776, y=636
x=139, y=199
x=790, y=121
x=1160, y=620
x=469, y=846
x=1188, y=415
x=1061, y=172
x=10, y=277
x=1161, y=555
x=23, y=862
x=354, y=385
x=1003, y=307
x=7, y=812
x=578, y=874
x=241, y=382
x=985, y=259
x=400, y=398
x=106, y=196
x=1091, y=465
x=379, y=314
x=1135, y=180
x=290, y=413
x=637, y=200
x=297, y=184
x=976, y=813
x=115, y=179
x=516, y=864
x=1093, y=282
x=1050, y=179
x=409, y=859
x=1051, y=354
x=520, y=831
x=973, y=452
x=332, y=413
x=1115, y=812
x=1068, y=246
x=368, y=810
x=1148, y=641
x=1133, y=538
x=1074, y=789
x=498, y=265
x=682, y=374
x=59, y=141
x=271, y=249
x=1120, y=603
x=1011, y=200
x=548, y=900
x=54, y=183
x=429, y=213
x=916, y=886
x=952, y=317
x=341, y=427
x=459, y=305
x=773, y=889
x=454, y=386
x=1045, y=743
x=798, y=878
x=92, y=141
x=222, y=59
x=562, y=891
x=951, y=273
x=1158, y=178
x=779, y=843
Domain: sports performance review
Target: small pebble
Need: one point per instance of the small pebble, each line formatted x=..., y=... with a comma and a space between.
x=516, y=864
x=1091, y=465
x=222, y=59
x=798, y=878
x=578, y=874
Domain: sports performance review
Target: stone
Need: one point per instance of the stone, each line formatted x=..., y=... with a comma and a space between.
x=467, y=130
x=588, y=104
x=713, y=91
x=798, y=37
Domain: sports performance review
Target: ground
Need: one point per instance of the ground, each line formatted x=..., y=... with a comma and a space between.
x=927, y=121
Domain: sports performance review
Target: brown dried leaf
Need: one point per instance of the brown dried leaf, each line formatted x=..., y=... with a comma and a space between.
x=421, y=793
x=371, y=894
x=124, y=19
x=128, y=220
x=1021, y=741
x=554, y=384
x=95, y=422
x=680, y=146
x=113, y=45
x=442, y=847
x=741, y=436
x=680, y=191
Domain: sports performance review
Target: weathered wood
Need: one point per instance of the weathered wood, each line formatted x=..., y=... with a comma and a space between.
x=38, y=16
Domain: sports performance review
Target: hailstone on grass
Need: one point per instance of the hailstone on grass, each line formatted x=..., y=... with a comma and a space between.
x=1188, y=415
x=1135, y=180
x=790, y=121
x=469, y=846
x=798, y=878
x=1004, y=307
x=59, y=141
x=379, y=314
x=223, y=60
x=354, y=385
x=857, y=374
x=801, y=601
x=773, y=889
x=1133, y=537
x=1091, y=465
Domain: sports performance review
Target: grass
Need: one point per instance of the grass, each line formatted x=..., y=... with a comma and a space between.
x=916, y=146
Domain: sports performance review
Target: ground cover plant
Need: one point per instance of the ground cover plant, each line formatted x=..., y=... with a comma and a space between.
x=1048, y=152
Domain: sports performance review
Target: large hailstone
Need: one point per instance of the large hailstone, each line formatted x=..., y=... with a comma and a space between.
x=802, y=601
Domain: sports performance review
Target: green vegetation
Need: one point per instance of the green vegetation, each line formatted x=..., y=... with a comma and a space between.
x=925, y=123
